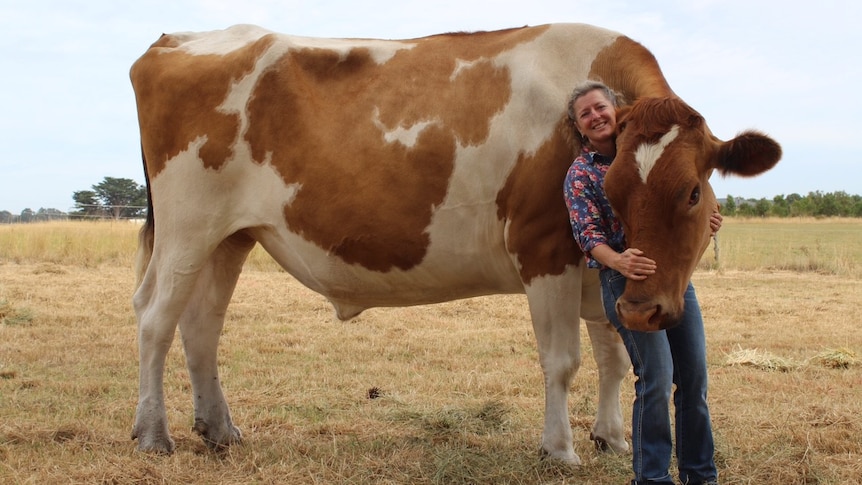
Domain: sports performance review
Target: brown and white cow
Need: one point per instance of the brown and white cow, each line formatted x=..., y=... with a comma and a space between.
x=378, y=173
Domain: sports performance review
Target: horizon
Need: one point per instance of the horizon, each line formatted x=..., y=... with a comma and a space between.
x=720, y=200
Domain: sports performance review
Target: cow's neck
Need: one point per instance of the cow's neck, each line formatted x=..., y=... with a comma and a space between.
x=631, y=70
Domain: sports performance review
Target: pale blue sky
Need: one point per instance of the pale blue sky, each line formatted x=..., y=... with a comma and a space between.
x=791, y=69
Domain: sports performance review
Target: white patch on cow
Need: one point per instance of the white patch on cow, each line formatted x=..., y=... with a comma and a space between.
x=406, y=136
x=648, y=154
x=256, y=195
x=219, y=42
x=462, y=65
x=241, y=91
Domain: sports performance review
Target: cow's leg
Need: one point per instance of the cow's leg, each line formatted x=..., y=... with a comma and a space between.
x=200, y=328
x=613, y=364
x=554, y=308
x=159, y=301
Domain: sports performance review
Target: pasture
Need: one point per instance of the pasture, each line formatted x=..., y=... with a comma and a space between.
x=450, y=393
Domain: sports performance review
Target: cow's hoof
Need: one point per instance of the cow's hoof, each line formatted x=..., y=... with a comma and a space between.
x=217, y=438
x=609, y=446
x=569, y=458
x=157, y=444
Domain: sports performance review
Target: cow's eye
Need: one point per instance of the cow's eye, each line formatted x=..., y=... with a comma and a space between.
x=694, y=198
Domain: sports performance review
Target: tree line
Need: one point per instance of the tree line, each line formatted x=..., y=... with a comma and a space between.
x=112, y=198
x=121, y=198
x=815, y=204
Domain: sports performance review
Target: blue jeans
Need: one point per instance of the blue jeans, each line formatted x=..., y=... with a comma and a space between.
x=662, y=359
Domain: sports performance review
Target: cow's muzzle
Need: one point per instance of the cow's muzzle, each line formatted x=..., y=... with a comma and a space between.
x=645, y=316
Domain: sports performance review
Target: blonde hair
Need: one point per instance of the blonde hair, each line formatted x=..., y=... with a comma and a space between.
x=584, y=88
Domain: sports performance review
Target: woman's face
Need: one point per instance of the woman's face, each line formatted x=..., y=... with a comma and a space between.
x=595, y=116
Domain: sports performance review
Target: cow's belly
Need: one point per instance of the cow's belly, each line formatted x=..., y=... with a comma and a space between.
x=447, y=272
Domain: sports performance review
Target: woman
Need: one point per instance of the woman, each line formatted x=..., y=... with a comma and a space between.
x=660, y=359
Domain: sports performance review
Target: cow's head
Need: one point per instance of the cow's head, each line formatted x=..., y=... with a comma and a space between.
x=659, y=187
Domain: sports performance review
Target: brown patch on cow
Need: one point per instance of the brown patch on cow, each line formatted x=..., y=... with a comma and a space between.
x=315, y=116
x=532, y=200
x=178, y=94
x=630, y=69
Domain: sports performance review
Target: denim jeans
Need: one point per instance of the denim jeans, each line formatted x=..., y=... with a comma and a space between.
x=662, y=359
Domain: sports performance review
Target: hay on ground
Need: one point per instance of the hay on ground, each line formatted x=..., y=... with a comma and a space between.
x=761, y=360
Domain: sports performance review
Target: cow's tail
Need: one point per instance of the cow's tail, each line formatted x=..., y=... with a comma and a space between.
x=147, y=234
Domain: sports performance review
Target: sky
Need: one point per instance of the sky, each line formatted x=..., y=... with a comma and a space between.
x=791, y=69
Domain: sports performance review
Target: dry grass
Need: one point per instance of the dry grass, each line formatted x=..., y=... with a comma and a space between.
x=826, y=246
x=450, y=393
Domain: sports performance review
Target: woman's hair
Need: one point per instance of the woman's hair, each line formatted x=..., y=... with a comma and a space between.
x=584, y=88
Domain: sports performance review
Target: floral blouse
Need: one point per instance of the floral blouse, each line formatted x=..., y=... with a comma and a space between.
x=590, y=214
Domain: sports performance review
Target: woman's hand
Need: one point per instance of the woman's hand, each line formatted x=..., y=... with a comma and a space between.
x=632, y=264
x=715, y=222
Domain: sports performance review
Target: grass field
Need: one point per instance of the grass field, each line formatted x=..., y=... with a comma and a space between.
x=459, y=388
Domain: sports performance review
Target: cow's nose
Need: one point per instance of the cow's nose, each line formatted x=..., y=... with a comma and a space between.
x=643, y=316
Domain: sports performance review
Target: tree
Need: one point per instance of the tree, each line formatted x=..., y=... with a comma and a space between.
x=27, y=215
x=803, y=207
x=120, y=196
x=729, y=206
x=793, y=198
x=87, y=204
x=761, y=207
x=780, y=206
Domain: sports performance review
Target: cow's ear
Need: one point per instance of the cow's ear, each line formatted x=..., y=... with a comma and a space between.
x=750, y=153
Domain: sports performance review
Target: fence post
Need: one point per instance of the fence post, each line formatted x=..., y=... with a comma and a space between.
x=716, y=250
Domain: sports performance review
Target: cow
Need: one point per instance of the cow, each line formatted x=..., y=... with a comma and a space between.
x=378, y=173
